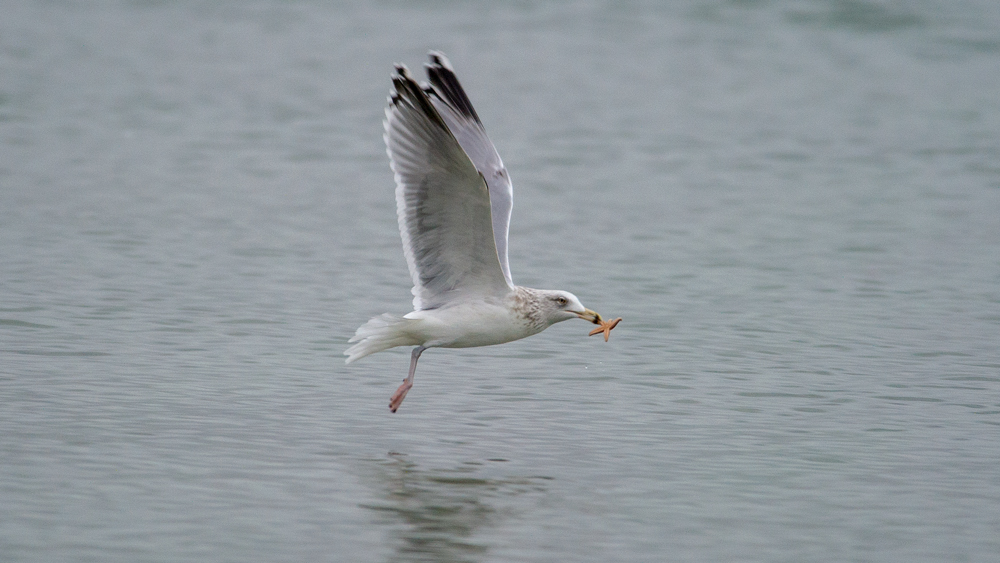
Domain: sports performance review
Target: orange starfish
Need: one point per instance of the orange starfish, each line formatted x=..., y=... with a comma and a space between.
x=605, y=327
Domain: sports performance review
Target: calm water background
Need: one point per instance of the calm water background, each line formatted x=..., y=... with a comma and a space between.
x=794, y=205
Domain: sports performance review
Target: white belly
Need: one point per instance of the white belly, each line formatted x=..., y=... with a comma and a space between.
x=469, y=324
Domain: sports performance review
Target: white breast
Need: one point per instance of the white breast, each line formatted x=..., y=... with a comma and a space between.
x=475, y=323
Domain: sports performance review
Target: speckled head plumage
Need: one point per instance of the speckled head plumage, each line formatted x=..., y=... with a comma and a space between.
x=546, y=307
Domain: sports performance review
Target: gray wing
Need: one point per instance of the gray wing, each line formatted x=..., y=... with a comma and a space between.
x=442, y=203
x=454, y=106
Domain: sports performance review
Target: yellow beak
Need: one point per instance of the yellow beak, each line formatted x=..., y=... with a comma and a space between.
x=591, y=316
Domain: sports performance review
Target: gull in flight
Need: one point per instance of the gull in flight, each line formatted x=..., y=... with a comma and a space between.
x=453, y=202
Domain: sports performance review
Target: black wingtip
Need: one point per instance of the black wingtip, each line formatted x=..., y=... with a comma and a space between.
x=445, y=84
x=438, y=58
x=406, y=88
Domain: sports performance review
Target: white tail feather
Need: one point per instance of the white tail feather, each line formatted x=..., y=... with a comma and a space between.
x=380, y=333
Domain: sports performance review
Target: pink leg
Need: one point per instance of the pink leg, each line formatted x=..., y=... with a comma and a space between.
x=400, y=394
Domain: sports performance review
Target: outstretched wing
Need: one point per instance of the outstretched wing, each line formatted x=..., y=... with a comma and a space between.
x=442, y=202
x=454, y=106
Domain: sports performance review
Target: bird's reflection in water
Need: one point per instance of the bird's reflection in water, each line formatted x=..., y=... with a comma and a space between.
x=441, y=514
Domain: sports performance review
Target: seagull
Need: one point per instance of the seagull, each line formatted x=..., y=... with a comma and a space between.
x=453, y=203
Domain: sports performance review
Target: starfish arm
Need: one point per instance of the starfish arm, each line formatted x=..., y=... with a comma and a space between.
x=606, y=327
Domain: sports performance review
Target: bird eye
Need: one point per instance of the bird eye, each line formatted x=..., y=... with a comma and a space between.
x=561, y=301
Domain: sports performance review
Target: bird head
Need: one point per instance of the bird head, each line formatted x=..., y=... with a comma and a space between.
x=558, y=306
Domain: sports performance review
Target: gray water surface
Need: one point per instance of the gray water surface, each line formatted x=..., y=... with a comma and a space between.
x=794, y=205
